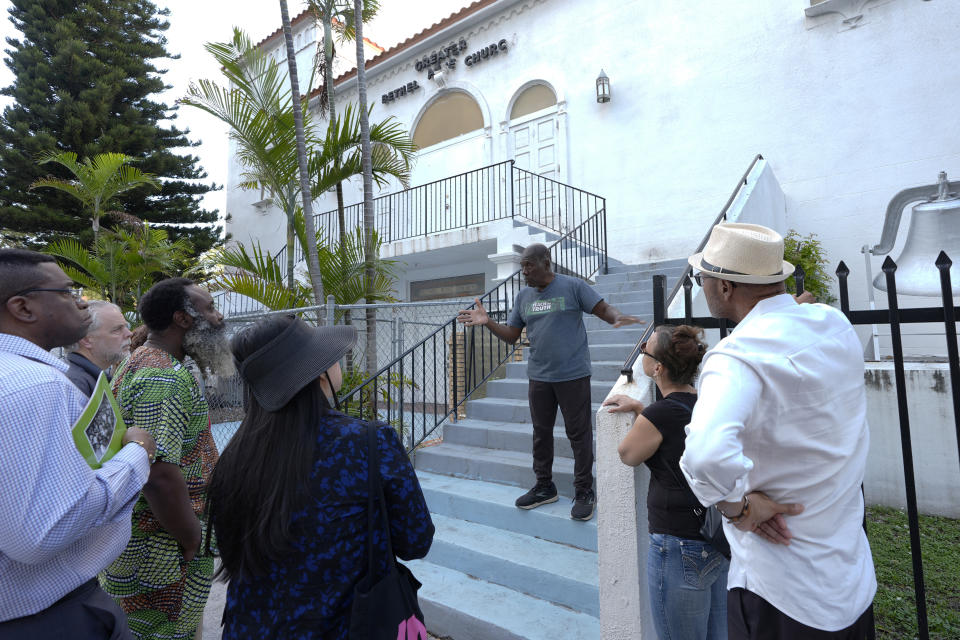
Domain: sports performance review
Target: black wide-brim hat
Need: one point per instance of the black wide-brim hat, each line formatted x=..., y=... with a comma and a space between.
x=278, y=370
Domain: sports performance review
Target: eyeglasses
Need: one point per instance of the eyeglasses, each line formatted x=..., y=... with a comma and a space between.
x=700, y=277
x=75, y=292
x=644, y=352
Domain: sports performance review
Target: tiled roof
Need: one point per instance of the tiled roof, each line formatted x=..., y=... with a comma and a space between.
x=414, y=39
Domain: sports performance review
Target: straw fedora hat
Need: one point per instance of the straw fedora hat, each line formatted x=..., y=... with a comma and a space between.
x=743, y=253
x=278, y=370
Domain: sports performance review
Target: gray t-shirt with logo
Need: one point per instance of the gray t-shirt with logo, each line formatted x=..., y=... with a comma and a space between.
x=554, y=321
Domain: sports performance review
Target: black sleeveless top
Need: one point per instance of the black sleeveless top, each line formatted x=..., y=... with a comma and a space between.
x=669, y=505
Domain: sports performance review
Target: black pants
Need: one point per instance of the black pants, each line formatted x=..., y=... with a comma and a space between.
x=750, y=617
x=573, y=399
x=86, y=613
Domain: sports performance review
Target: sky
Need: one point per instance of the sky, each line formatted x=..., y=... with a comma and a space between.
x=196, y=22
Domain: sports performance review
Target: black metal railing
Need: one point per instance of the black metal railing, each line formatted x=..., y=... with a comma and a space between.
x=627, y=368
x=495, y=192
x=893, y=316
x=432, y=380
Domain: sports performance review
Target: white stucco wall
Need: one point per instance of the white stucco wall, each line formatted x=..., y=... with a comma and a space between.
x=846, y=117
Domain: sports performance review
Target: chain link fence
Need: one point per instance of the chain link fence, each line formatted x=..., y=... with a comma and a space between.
x=399, y=326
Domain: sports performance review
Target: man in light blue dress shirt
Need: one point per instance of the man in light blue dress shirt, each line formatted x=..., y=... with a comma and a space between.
x=61, y=522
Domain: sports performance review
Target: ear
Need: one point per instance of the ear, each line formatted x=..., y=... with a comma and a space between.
x=727, y=289
x=182, y=319
x=20, y=310
x=85, y=343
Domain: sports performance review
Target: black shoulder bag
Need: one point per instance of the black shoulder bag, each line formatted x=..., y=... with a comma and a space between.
x=384, y=609
x=711, y=522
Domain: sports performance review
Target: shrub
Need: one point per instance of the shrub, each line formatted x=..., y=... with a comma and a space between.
x=807, y=252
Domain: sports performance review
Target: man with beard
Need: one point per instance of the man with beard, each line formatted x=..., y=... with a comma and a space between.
x=61, y=522
x=162, y=579
x=551, y=307
x=106, y=344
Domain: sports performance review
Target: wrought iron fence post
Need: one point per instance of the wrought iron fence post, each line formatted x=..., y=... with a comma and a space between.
x=606, y=266
x=950, y=324
x=659, y=299
x=889, y=269
x=799, y=277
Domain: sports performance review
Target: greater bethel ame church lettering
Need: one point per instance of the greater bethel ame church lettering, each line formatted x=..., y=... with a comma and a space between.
x=446, y=57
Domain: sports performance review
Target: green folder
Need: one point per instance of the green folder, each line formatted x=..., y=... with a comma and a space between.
x=98, y=433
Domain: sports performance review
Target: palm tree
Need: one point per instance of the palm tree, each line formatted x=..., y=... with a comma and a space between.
x=341, y=14
x=313, y=266
x=256, y=274
x=123, y=264
x=340, y=155
x=366, y=158
x=96, y=182
x=259, y=112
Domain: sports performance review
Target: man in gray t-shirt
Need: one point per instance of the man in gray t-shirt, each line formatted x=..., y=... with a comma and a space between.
x=551, y=308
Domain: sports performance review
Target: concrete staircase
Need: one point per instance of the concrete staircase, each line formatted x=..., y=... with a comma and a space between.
x=497, y=572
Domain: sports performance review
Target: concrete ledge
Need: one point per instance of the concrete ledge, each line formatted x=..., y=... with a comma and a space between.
x=622, y=538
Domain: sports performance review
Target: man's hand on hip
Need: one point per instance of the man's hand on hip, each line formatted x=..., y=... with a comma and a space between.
x=766, y=518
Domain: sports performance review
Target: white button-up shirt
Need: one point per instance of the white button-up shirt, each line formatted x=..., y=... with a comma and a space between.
x=61, y=522
x=782, y=410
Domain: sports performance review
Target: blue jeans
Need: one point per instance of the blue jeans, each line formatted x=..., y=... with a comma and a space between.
x=687, y=580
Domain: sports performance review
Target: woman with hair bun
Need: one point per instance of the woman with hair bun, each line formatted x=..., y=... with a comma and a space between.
x=686, y=575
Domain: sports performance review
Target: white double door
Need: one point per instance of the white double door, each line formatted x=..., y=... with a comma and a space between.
x=535, y=146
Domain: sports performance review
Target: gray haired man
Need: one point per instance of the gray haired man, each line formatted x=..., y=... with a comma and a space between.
x=106, y=344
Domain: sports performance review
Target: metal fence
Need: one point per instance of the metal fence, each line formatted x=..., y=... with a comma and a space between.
x=399, y=327
x=895, y=318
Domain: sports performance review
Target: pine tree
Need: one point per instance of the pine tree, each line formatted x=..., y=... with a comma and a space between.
x=85, y=79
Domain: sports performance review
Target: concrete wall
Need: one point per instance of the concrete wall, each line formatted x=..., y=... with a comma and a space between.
x=936, y=458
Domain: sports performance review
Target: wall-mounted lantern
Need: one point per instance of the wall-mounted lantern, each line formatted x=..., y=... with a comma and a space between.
x=603, y=88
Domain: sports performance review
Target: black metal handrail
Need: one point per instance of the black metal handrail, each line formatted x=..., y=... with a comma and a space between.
x=494, y=192
x=627, y=368
x=431, y=380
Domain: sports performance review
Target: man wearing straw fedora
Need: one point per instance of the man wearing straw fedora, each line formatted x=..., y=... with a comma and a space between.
x=778, y=442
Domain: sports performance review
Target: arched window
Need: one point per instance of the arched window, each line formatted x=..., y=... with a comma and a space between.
x=534, y=98
x=449, y=116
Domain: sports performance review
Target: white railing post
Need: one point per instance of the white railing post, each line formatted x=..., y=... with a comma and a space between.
x=622, y=538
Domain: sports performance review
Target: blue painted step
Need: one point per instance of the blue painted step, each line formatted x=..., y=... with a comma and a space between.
x=491, y=504
x=467, y=608
x=559, y=573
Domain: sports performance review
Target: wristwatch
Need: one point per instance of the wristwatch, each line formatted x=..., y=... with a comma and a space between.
x=740, y=516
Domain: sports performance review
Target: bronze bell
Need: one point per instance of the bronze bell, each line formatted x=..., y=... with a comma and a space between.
x=934, y=227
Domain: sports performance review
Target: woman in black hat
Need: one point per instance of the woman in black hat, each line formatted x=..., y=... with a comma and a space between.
x=288, y=498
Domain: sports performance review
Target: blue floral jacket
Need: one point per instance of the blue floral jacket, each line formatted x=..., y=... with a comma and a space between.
x=309, y=593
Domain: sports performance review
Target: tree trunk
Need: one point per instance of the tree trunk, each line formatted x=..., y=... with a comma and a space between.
x=291, y=244
x=367, y=189
x=331, y=106
x=313, y=261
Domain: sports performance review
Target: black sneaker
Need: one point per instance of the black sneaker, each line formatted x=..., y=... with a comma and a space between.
x=583, y=505
x=540, y=494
